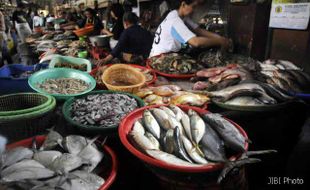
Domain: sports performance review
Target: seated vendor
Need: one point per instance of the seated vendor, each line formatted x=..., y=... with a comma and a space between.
x=134, y=44
x=91, y=19
x=177, y=30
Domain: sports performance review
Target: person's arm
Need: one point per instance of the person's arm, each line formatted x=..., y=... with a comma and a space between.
x=107, y=32
x=204, y=42
x=118, y=49
x=204, y=33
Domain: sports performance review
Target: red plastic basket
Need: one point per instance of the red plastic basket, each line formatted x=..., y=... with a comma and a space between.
x=127, y=124
x=177, y=76
x=109, y=178
x=84, y=31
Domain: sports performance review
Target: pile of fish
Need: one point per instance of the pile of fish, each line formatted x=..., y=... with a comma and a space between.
x=104, y=110
x=214, y=58
x=81, y=67
x=190, y=139
x=187, y=139
x=249, y=93
x=218, y=78
x=284, y=75
x=170, y=94
x=174, y=63
x=63, y=86
x=66, y=163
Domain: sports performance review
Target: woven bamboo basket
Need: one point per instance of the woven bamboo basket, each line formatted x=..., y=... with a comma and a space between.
x=123, y=74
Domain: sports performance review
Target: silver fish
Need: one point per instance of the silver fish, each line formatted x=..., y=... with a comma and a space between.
x=46, y=158
x=20, y=165
x=52, y=140
x=10, y=157
x=138, y=128
x=162, y=118
x=153, y=140
x=197, y=126
x=75, y=143
x=229, y=133
x=213, y=146
x=192, y=151
x=141, y=141
x=77, y=184
x=186, y=123
x=179, y=149
x=245, y=89
x=168, y=111
x=28, y=173
x=177, y=111
x=244, y=101
x=151, y=124
x=176, y=124
x=169, y=141
x=169, y=158
x=91, y=155
x=66, y=163
x=90, y=178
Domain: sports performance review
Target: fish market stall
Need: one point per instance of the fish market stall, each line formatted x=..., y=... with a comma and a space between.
x=200, y=118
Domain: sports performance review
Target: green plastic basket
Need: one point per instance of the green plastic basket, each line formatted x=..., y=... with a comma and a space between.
x=25, y=125
x=55, y=73
x=14, y=104
x=90, y=128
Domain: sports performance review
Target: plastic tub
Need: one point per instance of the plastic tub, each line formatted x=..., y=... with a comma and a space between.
x=10, y=84
x=109, y=173
x=61, y=73
x=178, y=177
x=84, y=31
x=71, y=60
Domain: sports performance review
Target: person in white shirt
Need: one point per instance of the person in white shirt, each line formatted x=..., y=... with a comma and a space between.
x=37, y=21
x=178, y=29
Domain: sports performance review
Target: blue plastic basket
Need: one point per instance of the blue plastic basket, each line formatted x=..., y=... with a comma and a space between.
x=10, y=84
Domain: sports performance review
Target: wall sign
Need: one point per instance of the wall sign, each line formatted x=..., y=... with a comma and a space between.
x=285, y=14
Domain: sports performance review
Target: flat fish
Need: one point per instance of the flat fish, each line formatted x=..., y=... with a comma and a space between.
x=12, y=156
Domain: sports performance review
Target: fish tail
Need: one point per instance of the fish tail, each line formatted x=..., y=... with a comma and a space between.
x=235, y=164
x=251, y=153
x=199, y=151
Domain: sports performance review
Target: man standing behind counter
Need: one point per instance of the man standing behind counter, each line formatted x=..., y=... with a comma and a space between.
x=135, y=43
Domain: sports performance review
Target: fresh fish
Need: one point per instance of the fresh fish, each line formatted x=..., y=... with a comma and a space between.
x=66, y=163
x=28, y=173
x=138, y=128
x=46, y=158
x=192, y=151
x=77, y=184
x=162, y=91
x=174, y=123
x=144, y=93
x=168, y=111
x=289, y=65
x=266, y=99
x=190, y=99
x=186, y=123
x=74, y=144
x=245, y=89
x=151, y=124
x=162, y=118
x=52, y=140
x=197, y=126
x=20, y=165
x=177, y=111
x=141, y=141
x=179, y=147
x=228, y=132
x=91, y=155
x=213, y=146
x=244, y=101
x=169, y=141
x=15, y=155
x=153, y=140
x=90, y=178
x=169, y=158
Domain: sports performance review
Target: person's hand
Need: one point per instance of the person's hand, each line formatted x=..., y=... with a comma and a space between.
x=101, y=62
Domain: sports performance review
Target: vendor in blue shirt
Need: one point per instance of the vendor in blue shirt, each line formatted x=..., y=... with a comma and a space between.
x=134, y=44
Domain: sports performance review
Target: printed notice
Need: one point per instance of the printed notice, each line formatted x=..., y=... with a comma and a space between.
x=290, y=15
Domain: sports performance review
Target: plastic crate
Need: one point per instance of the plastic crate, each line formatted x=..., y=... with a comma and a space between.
x=10, y=84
